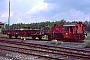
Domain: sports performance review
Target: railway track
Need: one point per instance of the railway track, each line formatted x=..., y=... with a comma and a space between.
x=50, y=52
x=26, y=39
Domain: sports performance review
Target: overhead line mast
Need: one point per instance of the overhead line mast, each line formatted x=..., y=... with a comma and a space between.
x=9, y=17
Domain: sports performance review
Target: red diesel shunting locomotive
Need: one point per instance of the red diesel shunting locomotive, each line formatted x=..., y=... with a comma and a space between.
x=72, y=32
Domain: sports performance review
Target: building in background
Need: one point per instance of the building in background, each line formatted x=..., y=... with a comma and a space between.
x=1, y=26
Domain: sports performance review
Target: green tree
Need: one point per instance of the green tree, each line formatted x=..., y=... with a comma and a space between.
x=47, y=27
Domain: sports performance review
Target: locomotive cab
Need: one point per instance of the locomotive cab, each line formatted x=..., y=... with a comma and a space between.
x=68, y=32
x=74, y=31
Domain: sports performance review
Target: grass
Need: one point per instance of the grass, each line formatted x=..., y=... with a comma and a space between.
x=60, y=42
x=87, y=40
x=3, y=36
x=87, y=43
x=56, y=42
x=53, y=41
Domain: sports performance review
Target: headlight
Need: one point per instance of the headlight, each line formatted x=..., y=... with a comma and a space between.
x=16, y=33
x=66, y=33
x=8, y=33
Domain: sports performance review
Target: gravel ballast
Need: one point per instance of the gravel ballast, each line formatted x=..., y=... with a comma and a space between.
x=7, y=55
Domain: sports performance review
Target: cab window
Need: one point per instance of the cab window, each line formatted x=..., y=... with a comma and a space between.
x=66, y=28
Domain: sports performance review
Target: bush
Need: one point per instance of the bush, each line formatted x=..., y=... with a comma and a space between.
x=54, y=42
x=87, y=43
x=59, y=42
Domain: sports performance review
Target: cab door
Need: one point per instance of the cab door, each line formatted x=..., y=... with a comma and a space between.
x=71, y=31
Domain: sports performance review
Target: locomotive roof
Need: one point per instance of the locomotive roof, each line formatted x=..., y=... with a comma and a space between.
x=71, y=24
x=1, y=23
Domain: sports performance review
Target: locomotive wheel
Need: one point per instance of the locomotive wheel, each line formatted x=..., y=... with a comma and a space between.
x=16, y=36
x=10, y=36
x=63, y=40
x=83, y=37
x=33, y=37
x=49, y=37
x=40, y=37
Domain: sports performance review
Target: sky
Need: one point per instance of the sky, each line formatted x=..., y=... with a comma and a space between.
x=32, y=11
